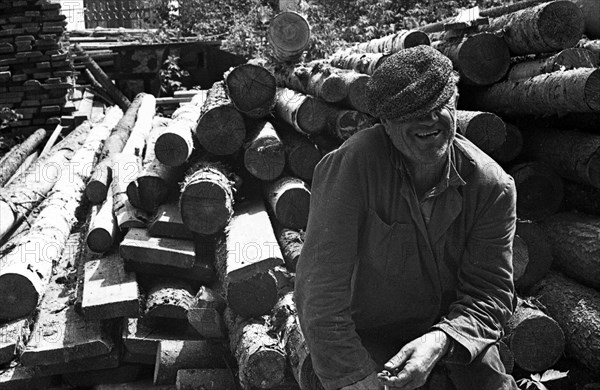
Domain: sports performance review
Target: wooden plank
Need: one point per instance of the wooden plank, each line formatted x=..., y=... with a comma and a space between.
x=85, y=379
x=141, y=336
x=140, y=247
x=85, y=106
x=201, y=272
x=168, y=223
x=207, y=322
x=11, y=334
x=108, y=290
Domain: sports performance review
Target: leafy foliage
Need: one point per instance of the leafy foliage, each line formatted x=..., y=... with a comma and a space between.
x=538, y=380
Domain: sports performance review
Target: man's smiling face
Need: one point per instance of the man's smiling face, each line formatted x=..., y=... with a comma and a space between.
x=426, y=139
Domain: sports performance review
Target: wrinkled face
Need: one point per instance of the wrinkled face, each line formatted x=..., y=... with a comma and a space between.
x=425, y=140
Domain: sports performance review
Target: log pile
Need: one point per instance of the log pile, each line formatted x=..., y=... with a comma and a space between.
x=35, y=71
x=193, y=284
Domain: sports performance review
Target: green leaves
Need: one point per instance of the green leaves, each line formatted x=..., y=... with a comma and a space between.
x=537, y=380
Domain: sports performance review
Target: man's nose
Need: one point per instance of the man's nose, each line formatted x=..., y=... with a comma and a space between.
x=432, y=116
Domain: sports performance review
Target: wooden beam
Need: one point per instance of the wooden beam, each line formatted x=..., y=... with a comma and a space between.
x=139, y=246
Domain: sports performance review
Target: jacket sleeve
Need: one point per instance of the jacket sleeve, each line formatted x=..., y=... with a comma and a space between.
x=324, y=273
x=485, y=296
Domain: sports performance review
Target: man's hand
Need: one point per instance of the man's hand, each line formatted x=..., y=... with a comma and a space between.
x=415, y=361
x=369, y=383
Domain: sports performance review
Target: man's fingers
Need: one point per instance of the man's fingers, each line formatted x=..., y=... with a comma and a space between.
x=397, y=361
x=404, y=381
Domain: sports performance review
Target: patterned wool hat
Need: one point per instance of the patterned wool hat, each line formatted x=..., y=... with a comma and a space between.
x=410, y=83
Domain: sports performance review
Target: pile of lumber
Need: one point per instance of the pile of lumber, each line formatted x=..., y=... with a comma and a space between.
x=35, y=72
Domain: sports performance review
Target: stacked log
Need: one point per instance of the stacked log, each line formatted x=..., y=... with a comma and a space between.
x=13, y=160
x=540, y=190
x=512, y=146
x=539, y=254
x=486, y=130
x=289, y=34
x=317, y=80
x=393, y=43
x=264, y=153
x=570, y=58
x=300, y=153
x=34, y=70
x=251, y=89
x=360, y=62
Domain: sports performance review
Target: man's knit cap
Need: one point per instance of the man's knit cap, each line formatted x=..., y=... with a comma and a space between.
x=410, y=83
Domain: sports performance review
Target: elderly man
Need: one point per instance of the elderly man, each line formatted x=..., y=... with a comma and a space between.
x=407, y=261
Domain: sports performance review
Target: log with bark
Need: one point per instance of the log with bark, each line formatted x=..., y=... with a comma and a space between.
x=300, y=153
x=316, y=79
x=251, y=89
x=558, y=92
x=361, y=62
x=582, y=198
x=291, y=242
x=117, y=96
x=30, y=188
x=99, y=183
x=539, y=255
x=207, y=197
x=535, y=339
x=566, y=59
x=289, y=198
x=393, y=43
x=156, y=180
x=305, y=113
x=576, y=308
x=590, y=10
x=13, y=159
x=169, y=298
x=573, y=238
x=264, y=153
x=585, y=121
x=174, y=355
x=343, y=124
x=486, y=130
x=511, y=147
x=220, y=129
x=103, y=230
x=261, y=358
x=289, y=34
x=26, y=270
x=245, y=258
x=574, y=155
x=175, y=145
x=540, y=190
x=481, y=59
x=543, y=28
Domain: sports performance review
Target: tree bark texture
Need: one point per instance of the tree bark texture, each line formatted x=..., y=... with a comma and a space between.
x=393, y=43
x=573, y=155
x=481, y=59
x=536, y=340
x=175, y=145
x=540, y=190
x=361, y=62
x=316, y=79
x=30, y=188
x=264, y=153
x=291, y=243
x=13, y=159
x=343, y=124
x=576, y=308
x=261, y=358
x=305, y=113
x=511, y=147
x=206, y=201
x=571, y=58
x=169, y=298
x=25, y=271
x=251, y=89
x=220, y=128
x=103, y=229
x=590, y=10
x=573, y=238
x=538, y=251
x=301, y=154
x=289, y=34
x=244, y=259
x=546, y=27
x=97, y=187
x=289, y=198
x=486, y=130
x=576, y=90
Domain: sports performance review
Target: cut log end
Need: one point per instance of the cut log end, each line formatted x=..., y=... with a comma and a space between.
x=289, y=34
x=266, y=163
x=312, y=116
x=96, y=191
x=333, y=89
x=484, y=59
x=150, y=191
x=538, y=343
x=206, y=207
x=265, y=369
x=486, y=130
x=414, y=38
x=18, y=295
x=251, y=89
x=512, y=146
x=254, y=296
x=99, y=240
x=290, y=201
x=592, y=90
x=221, y=130
x=171, y=149
x=561, y=24
x=303, y=160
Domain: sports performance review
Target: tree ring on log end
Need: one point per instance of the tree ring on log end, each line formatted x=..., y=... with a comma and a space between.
x=289, y=34
x=254, y=296
x=221, y=130
x=484, y=59
x=490, y=131
x=560, y=24
x=333, y=89
x=264, y=368
x=303, y=160
x=18, y=295
x=206, y=206
x=99, y=240
x=312, y=116
x=592, y=90
x=266, y=159
x=537, y=343
x=290, y=201
x=251, y=89
x=412, y=38
x=171, y=149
